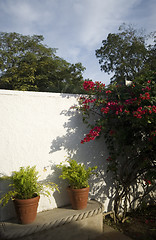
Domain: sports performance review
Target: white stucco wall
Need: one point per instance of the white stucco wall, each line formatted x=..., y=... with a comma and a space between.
x=40, y=129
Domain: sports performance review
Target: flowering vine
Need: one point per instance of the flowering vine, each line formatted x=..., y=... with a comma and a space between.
x=127, y=120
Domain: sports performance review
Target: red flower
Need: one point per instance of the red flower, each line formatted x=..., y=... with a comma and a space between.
x=99, y=86
x=146, y=96
x=108, y=91
x=146, y=88
x=92, y=134
x=154, y=109
x=130, y=101
x=88, y=85
x=147, y=182
x=111, y=132
x=105, y=110
x=127, y=112
x=109, y=159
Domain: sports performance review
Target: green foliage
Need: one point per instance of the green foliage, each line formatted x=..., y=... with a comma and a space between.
x=126, y=54
x=25, y=185
x=76, y=174
x=27, y=64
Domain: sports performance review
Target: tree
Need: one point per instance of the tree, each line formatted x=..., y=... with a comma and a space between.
x=125, y=53
x=27, y=64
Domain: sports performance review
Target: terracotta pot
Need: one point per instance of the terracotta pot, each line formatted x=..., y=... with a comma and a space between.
x=78, y=197
x=26, y=209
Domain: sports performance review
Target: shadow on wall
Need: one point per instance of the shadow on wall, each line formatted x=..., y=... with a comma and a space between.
x=9, y=209
x=92, y=153
x=61, y=198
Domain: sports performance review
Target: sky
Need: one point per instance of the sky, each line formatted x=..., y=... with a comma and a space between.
x=76, y=27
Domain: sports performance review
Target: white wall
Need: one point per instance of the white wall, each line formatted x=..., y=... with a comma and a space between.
x=40, y=129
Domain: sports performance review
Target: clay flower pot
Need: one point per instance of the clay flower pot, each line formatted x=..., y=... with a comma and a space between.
x=26, y=209
x=78, y=197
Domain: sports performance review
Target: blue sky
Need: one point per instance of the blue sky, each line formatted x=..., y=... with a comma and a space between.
x=76, y=27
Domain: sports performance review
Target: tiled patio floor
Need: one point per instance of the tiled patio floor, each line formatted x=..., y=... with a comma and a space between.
x=112, y=234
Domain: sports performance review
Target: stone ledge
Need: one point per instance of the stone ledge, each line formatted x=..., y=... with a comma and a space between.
x=61, y=223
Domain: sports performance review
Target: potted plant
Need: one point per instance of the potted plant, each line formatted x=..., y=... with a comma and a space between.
x=26, y=192
x=77, y=175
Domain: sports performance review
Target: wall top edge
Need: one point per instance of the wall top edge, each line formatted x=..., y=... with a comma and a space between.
x=37, y=94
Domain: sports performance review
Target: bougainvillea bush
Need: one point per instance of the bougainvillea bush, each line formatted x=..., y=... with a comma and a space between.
x=126, y=117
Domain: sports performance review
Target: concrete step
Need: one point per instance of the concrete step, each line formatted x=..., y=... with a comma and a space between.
x=59, y=224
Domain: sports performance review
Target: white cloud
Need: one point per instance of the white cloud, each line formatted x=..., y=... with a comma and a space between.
x=19, y=10
x=100, y=17
x=76, y=27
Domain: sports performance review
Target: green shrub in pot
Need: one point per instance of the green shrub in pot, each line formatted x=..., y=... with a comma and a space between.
x=77, y=175
x=25, y=186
